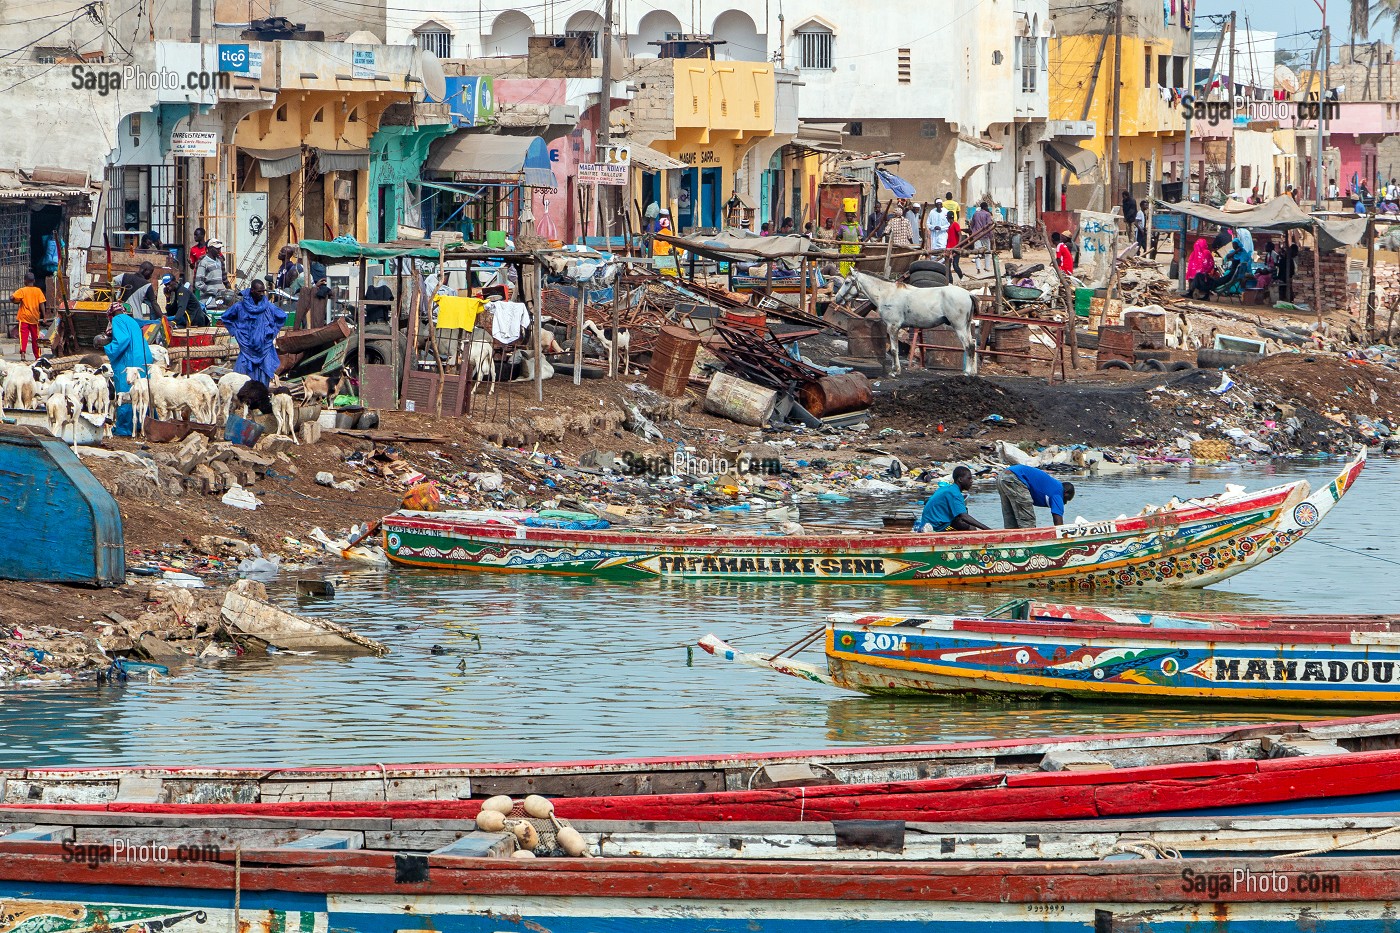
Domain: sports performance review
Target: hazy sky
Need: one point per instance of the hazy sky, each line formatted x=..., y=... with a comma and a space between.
x=1286, y=17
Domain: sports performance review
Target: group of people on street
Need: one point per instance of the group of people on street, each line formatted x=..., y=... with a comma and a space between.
x=1021, y=489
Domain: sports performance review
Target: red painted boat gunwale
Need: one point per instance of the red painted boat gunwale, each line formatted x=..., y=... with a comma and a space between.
x=1359, y=878
x=840, y=755
x=1261, y=635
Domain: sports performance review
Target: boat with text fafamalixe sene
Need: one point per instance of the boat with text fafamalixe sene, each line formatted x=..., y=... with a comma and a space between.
x=1032, y=648
x=1183, y=544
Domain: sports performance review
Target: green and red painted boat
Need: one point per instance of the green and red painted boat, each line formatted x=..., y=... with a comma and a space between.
x=1181, y=544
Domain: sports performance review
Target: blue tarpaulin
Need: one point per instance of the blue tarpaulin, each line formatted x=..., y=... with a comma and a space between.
x=897, y=186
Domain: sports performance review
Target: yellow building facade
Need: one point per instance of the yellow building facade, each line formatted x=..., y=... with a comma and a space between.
x=1153, y=73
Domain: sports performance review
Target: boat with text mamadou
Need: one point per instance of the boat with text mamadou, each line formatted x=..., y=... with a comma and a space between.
x=1183, y=544
x=1031, y=648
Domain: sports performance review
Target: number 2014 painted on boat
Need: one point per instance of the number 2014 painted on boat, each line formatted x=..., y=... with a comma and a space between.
x=884, y=642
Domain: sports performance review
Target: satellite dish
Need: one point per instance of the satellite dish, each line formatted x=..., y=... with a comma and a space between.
x=434, y=82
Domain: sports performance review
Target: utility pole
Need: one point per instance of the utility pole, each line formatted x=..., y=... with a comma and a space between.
x=1230, y=140
x=604, y=124
x=194, y=22
x=1117, y=95
x=1318, y=176
x=1186, y=144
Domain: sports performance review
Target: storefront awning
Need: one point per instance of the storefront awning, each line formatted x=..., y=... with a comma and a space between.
x=648, y=157
x=1078, y=160
x=1280, y=213
x=276, y=163
x=823, y=137
x=484, y=157
x=342, y=160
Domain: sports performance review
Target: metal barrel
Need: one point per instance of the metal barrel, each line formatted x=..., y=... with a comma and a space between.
x=1115, y=343
x=733, y=398
x=836, y=395
x=671, y=360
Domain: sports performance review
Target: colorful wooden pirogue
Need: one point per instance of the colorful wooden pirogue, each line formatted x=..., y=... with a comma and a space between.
x=1184, y=544
x=92, y=873
x=1338, y=766
x=1032, y=648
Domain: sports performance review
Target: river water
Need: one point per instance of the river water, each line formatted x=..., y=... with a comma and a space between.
x=513, y=667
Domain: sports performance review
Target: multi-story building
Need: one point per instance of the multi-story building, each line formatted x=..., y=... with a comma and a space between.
x=964, y=98
x=1151, y=75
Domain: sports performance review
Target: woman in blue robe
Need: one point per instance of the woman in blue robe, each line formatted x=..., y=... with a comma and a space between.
x=125, y=347
x=255, y=322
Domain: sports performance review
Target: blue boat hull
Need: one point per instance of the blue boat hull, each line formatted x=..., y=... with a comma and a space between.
x=59, y=524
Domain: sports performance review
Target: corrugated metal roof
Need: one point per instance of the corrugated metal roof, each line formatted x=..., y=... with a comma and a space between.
x=28, y=192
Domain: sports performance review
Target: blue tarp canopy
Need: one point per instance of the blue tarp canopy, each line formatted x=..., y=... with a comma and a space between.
x=898, y=186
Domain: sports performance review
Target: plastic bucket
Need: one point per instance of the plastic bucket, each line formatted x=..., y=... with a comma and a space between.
x=850, y=205
x=239, y=430
x=496, y=239
x=1082, y=297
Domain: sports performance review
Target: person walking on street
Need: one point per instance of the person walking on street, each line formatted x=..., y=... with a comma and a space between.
x=255, y=322
x=979, y=229
x=954, y=241
x=937, y=239
x=1022, y=488
x=210, y=276
x=30, y=300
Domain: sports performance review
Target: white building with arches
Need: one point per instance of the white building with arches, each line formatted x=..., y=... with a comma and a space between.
x=959, y=87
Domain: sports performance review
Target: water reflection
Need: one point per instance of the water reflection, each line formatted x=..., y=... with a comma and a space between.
x=535, y=667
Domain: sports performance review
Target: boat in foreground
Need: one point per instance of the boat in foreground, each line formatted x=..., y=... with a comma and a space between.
x=1030, y=648
x=1183, y=544
x=1343, y=765
x=76, y=874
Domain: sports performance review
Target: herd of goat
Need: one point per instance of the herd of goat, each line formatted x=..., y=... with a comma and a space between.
x=88, y=391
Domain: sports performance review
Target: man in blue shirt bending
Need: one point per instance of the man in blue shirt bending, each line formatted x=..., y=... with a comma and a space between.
x=946, y=510
x=1022, y=488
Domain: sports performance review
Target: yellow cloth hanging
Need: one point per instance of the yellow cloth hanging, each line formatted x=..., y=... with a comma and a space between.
x=457, y=311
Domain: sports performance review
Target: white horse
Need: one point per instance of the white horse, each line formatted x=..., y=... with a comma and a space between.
x=903, y=305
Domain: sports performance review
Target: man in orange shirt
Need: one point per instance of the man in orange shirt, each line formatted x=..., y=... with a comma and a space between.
x=30, y=300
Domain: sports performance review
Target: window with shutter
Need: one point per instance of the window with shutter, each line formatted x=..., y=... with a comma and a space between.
x=815, y=44
x=435, y=40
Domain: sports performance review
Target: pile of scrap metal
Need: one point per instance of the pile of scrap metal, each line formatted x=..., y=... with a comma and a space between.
x=762, y=382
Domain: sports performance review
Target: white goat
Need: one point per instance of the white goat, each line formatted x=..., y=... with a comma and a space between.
x=284, y=409
x=61, y=411
x=209, y=392
x=528, y=358
x=229, y=384
x=18, y=388
x=160, y=355
x=620, y=342
x=171, y=395
x=481, y=352
x=139, y=394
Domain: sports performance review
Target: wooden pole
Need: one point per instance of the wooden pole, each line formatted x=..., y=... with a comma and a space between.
x=394, y=327
x=1117, y=101
x=616, y=329
x=1317, y=271
x=432, y=331
x=537, y=293
x=576, y=312
x=360, y=333
x=410, y=362
x=1370, y=276
x=1230, y=139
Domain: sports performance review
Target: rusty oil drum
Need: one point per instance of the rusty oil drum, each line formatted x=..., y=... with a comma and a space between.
x=672, y=358
x=1115, y=343
x=836, y=395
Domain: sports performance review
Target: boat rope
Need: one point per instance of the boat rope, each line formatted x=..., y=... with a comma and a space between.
x=673, y=647
x=798, y=646
x=1340, y=845
x=811, y=764
x=237, y=888
x=1147, y=849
